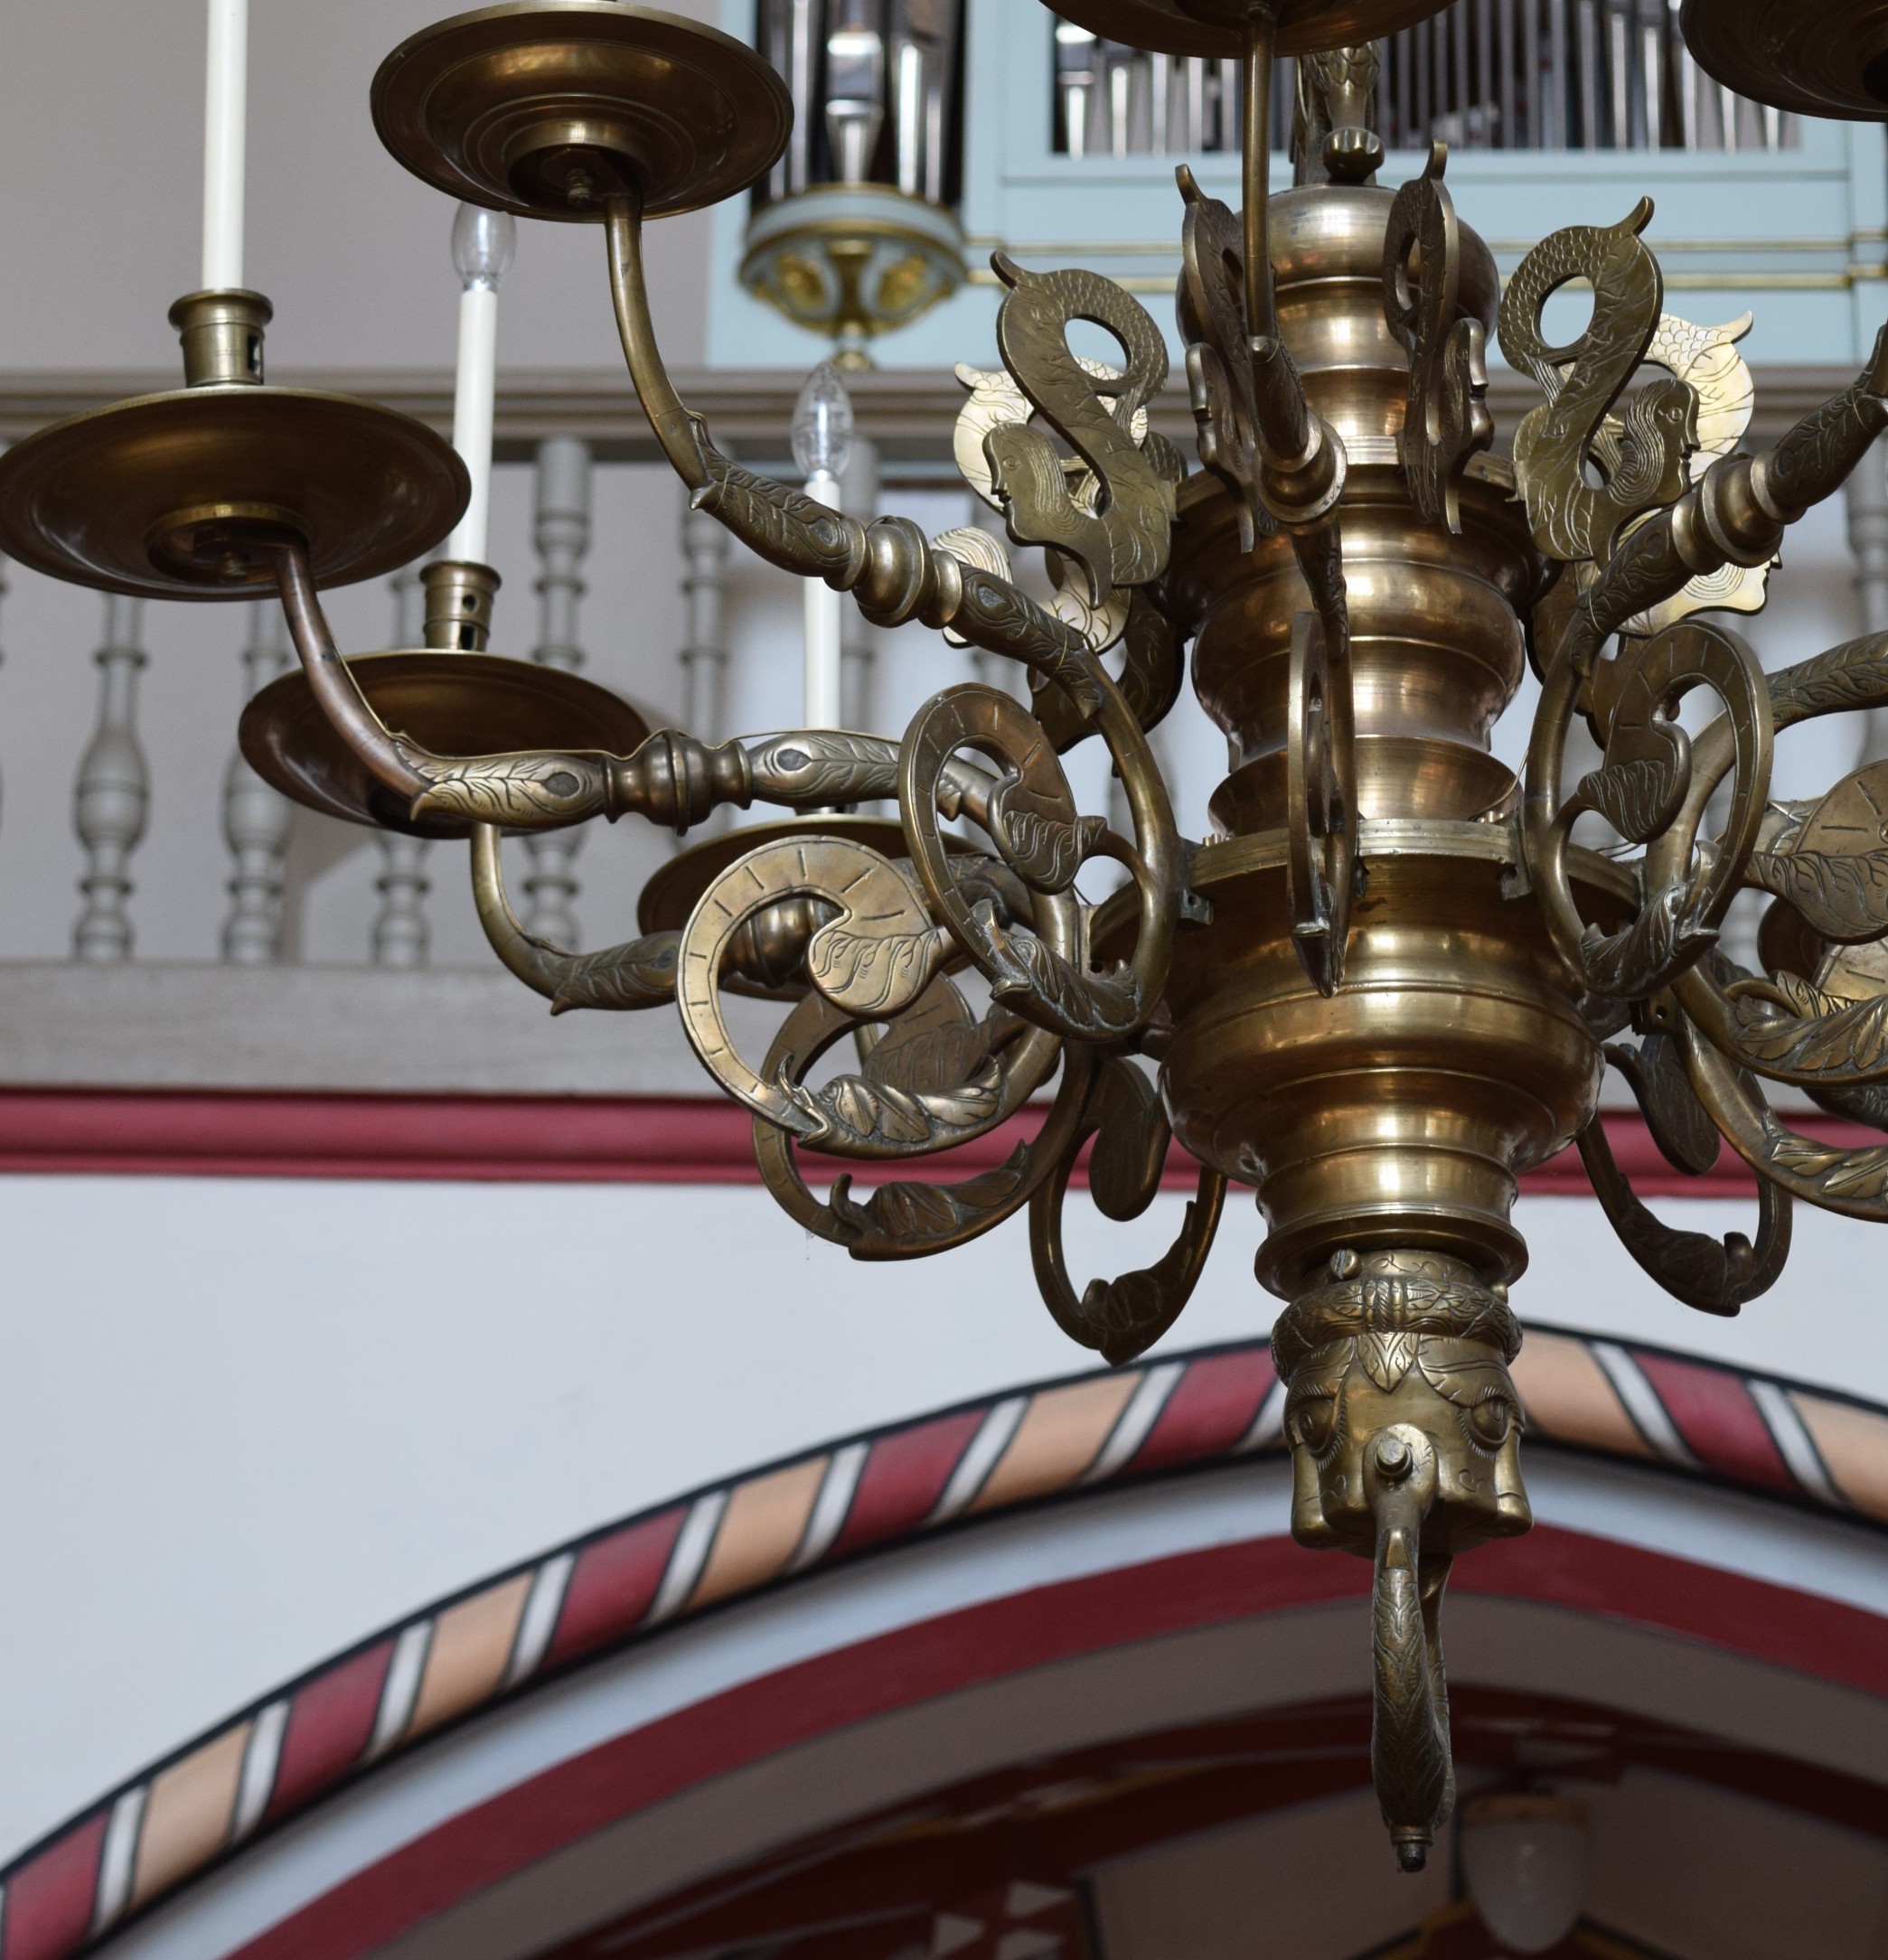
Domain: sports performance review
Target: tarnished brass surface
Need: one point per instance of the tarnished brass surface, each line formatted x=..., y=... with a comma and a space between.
x=1405, y=1435
x=546, y=108
x=1402, y=1111
x=454, y=704
x=183, y=495
x=1828, y=59
x=1389, y=985
x=1220, y=27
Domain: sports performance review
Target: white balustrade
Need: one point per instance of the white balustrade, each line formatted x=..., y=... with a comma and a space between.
x=257, y=821
x=111, y=799
x=561, y=533
x=400, y=934
x=705, y=551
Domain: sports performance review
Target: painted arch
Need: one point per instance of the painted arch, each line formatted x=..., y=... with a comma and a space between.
x=1037, y=1642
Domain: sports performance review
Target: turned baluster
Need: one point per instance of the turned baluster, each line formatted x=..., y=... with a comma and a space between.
x=400, y=932
x=705, y=548
x=257, y=821
x=111, y=798
x=561, y=532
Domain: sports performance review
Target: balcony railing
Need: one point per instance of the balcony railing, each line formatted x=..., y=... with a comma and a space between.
x=1481, y=75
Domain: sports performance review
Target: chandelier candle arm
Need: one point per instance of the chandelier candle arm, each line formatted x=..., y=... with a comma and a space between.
x=225, y=121
x=334, y=681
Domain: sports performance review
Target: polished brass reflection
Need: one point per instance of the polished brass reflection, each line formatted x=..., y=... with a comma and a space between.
x=1388, y=985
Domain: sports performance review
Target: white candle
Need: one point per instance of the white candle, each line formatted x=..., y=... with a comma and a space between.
x=823, y=441
x=225, y=116
x=823, y=706
x=483, y=245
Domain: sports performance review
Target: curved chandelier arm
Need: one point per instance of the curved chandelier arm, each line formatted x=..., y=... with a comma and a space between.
x=1735, y=514
x=892, y=571
x=1785, y=1031
x=1121, y=1317
x=675, y=428
x=1854, y=1182
x=640, y=974
x=909, y=1220
x=385, y=755
x=1034, y=824
x=1716, y=1276
x=1650, y=790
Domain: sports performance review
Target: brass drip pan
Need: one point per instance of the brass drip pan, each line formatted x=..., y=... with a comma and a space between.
x=177, y=495
x=1218, y=27
x=454, y=704
x=1828, y=59
x=545, y=106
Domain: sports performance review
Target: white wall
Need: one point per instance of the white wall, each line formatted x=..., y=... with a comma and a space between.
x=245, y=1424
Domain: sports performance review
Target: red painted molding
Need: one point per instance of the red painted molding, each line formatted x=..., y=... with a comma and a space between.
x=505, y=1834
x=569, y=1139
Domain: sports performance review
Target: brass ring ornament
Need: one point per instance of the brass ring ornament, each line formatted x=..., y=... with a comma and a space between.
x=872, y=960
x=903, y=1219
x=1039, y=833
x=1647, y=789
x=1854, y=1182
x=1121, y=1317
x=1323, y=867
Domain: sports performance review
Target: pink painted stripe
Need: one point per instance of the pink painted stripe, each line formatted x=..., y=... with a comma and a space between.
x=49, y=1900
x=237, y=1133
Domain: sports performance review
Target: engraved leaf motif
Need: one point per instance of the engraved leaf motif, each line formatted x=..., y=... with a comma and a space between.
x=1843, y=896
x=520, y=792
x=640, y=974
x=870, y=973
x=1044, y=850
x=1387, y=1357
x=1637, y=798
x=1660, y=943
x=1826, y=1036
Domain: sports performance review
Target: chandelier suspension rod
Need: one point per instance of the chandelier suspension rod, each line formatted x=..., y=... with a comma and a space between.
x=1256, y=169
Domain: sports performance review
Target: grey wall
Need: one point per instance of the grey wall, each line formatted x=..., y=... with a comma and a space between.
x=101, y=151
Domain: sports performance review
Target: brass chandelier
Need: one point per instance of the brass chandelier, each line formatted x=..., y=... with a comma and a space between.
x=1390, y=983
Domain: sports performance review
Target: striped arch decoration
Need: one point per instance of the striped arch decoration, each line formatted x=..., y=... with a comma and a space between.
x=647, y=1573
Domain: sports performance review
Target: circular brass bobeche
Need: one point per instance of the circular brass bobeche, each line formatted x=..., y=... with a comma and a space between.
x=1218, y=27
x=545, y=106
x=187, y=494
x=454, y=704
x=1826, y=59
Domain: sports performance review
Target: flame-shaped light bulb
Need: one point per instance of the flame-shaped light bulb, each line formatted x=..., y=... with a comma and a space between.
x=823, y=424
x=484, y=245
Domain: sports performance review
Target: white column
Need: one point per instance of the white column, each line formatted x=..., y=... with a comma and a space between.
x=561, y=532
x=400, y=933
x=112, y=795
x=257, y=821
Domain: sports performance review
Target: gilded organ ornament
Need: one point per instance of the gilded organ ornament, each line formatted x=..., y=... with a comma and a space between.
x=1389, y=982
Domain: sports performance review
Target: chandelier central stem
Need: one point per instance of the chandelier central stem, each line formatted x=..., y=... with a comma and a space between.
x=1255, y=164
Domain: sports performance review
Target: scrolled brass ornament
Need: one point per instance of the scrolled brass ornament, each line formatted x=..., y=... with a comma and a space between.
x=1388, y=984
